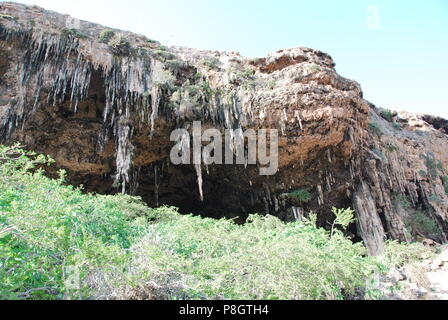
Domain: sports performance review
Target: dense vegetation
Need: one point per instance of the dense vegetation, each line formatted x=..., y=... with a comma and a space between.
x=57, y=242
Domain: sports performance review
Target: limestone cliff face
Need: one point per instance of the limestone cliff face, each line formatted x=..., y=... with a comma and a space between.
x=103, y=103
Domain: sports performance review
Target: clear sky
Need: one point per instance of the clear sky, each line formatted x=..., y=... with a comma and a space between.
x=396, y=49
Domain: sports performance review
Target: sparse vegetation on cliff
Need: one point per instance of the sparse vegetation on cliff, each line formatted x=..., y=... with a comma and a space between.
x=387, y=114
x=106, y=35
x=430, y=164
x=120, y=46
x=163, y=54
x=7, y=17
x=303, y=195
x=375, y=128
x=73, y=33
x=211, y=63
x=422, y=224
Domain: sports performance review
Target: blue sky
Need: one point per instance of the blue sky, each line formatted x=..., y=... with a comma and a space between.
x=397, y=50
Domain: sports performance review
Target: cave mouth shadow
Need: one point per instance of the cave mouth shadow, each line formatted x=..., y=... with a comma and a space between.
x=177, y=186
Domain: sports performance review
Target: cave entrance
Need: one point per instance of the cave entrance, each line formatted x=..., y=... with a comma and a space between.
x=224, y=194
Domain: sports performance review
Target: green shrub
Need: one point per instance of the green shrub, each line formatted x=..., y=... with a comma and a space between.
x=206, y=89
x=150, y=41
x=401, y=199
x=374, y=128
x=423, y=224
x=120, y=46
x=396, y=125
x=440, y=166
x=387, y=115
x=48, y=227
x=8, y=17
x=430, y=163
x=270, y=85
x=315, y=68
x=398, y=254
x=246, y=73
x=435, y=198
x=106, y=35
x=343, y=218
x=212, y=63
x=175, y=64
x=163, y=54
x=194, y=258
x=303, y=195
x=391, y=147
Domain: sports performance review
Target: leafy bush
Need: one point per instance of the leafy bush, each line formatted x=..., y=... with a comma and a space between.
x=47, y=227
x=120, y=46
x=401, y=199
x=422, y=224
x=246, y=73
x=430, y=163
x=398, y=254
x=343, y=218
x=374, y=128
x=106, y=35
x=315, y=67
x=8, y=17
x=270, y=85
x=212, y=63
x=194, y=258
x=391, y=147
x=303, y=195
x=175, y=64
x=445, y=183
x=387, y=114
x=162, y=53
x=435, y=198
x=396, y=125
x=151, y=41
x=73, y=33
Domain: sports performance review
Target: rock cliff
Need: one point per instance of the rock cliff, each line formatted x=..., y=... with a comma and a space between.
x=103, y=103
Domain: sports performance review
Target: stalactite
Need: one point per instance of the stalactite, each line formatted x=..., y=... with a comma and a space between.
x=328, y=183
x=124, y=154
x=155, y=107
x=56, y=62
x=298, y=213
x=156, y=185
x=276, y=204
x=266, y=205
x=198, y=169
x=49, y=61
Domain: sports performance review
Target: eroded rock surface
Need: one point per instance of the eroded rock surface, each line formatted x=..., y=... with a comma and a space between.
x=103, y=103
